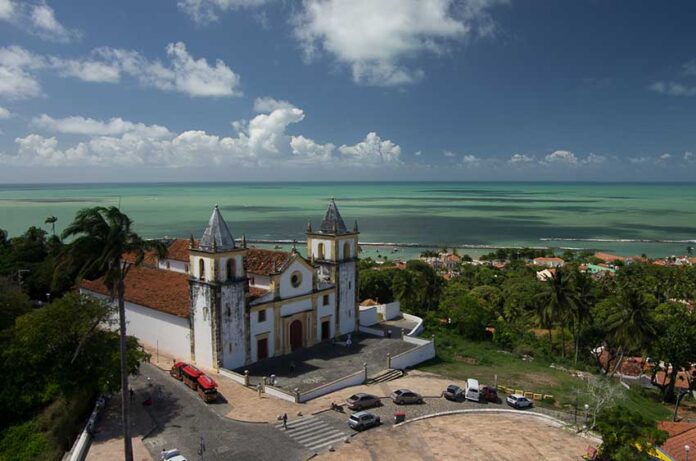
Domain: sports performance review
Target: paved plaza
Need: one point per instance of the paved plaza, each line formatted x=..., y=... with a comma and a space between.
x=328, y=361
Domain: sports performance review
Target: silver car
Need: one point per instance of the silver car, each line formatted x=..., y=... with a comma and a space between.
x=362, y=400
x=405, y=396
x=363, y=420
x=518, y=401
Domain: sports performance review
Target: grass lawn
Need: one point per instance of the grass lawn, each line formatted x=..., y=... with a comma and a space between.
x=461, y=359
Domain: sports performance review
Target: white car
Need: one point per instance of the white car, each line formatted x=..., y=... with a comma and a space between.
x=172, y=455
x=518, y=401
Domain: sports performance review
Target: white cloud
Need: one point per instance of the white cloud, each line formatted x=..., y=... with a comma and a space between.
x=673, y=89
x=638, y=160
x=594, y=159
x=372, y=150
x=418, y=153
x=471, y=160
x=664, y=157
x=45, y=25
x=4, y=113
x=263, y=140
x=268, y=104
x=521, y=159
x=374, y=38
x=7, y=10
x=689, y=157
x=206, y=11
x=448, y=153
x=183, y=73
x=561, y=157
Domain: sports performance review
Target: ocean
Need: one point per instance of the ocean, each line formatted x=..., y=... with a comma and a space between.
x=628, y=219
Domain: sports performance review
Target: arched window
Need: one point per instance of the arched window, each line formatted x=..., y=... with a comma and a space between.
x=346, y=251
x=320, y=251
x=201, y=268
x=231, y=272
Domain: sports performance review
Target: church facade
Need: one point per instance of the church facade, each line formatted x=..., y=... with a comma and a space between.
x=222, y=304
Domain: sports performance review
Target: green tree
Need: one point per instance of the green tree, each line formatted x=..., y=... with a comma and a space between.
x=52, y=221
x=102, y=236
x=432, y=283
x=377, y=285
x=630, y=322
x=627, y=435
x=559, y=298
x=465, y=312
x=409, y=288
x=13, y=303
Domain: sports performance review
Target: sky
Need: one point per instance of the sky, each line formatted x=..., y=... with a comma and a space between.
x=351, y=90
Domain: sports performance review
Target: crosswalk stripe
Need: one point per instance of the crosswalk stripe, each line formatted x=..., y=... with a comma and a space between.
x=328, y=442
x=299, y=422
x=329, y=432
x=303, y=429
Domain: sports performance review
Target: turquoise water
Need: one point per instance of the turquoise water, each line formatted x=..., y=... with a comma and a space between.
x=443, y=214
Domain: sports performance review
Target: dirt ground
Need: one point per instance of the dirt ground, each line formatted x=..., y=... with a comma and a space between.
x=489, y=437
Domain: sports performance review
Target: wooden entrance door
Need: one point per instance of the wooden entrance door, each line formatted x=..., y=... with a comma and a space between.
x=325, y=330
x=295, y=335
x=262, y=349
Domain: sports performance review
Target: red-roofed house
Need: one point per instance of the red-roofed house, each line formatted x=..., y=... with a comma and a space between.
x=220, y=304
x=680, y=435
x=549, y=262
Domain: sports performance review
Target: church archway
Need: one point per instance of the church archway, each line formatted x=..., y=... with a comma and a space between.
x=296, y=335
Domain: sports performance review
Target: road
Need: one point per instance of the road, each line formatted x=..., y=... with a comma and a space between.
x=185, y=422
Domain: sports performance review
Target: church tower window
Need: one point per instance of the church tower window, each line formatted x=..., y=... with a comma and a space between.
x=346, y=250
x=320, y=251
x=201, y=269
x=231, y=266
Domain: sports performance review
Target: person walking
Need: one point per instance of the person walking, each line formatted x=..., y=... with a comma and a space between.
x=259, y=389
x=285, y=421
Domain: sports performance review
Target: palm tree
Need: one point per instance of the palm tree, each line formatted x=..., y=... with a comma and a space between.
x=102, y=236
x=630, y=324
x=560, y=297
x=52, y=221
x=581, y=310
x=690, y=250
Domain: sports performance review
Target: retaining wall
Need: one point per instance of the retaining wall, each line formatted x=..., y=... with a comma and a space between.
x=414, y=356
x=351, y=380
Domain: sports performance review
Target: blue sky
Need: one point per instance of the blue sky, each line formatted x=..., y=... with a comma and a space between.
x=347, y=89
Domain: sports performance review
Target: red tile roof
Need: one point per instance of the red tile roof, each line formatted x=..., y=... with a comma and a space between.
x=607, y=258
x=162, y=290
x=680, y=434
x=255, y=293
x=179, y=249
x=548, y=260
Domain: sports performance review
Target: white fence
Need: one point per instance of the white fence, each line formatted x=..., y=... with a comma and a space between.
x=351, y=380
x=241, y=379
x=389, y=311
x=368, y=315
x=417, y=341
x=372, y=331
x=414, y=356
x=418, y=329
x=279, y=393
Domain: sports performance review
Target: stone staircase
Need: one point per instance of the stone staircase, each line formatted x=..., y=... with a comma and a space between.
x=384, y=376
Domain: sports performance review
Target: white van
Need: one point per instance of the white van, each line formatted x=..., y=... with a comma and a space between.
x=472, y=390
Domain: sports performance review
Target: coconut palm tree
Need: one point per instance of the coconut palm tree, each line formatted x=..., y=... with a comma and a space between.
x=560, y=298
x=52, y=221
x=102, y=236
x=631, y=323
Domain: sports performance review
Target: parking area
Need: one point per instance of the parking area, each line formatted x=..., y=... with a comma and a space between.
x=465, y=436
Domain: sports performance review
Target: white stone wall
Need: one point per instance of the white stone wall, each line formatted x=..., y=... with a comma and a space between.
x=174, y=266
x=414, y=356
x=258, y=328
x=368, y=315
x=233, y=329
x=286, y=288
x=328, y=248
x=346, y=304
x=324, y=311
x=202, y=325
x=155, y=328
x=261, y=281
x=295, y=307
x=352, y=245
x=390, y=310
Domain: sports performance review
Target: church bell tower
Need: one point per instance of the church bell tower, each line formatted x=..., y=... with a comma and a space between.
x=219, y=318
x=333, y=250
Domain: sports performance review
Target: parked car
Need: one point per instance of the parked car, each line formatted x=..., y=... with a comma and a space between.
x=363, y=420
x=404, y=396
x=454, y=393
x=362, y=400
x=490, y=394
x=472, y=390
x=518, y=401
x=171, y=455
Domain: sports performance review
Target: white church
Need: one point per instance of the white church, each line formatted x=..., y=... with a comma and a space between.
x=220, y=304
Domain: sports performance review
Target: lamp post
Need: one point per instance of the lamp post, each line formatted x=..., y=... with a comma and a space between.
x=686, y=450
x=587, y=413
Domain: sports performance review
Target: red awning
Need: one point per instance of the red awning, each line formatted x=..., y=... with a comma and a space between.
x=191, y=371
x=206, y=382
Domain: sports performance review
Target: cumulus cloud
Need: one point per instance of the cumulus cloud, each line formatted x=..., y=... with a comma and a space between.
x=561, y=157
x=448, y=153
x=38, y=19
x=673, y=89
x=4, y=113
x=268, y=104
x=374, y=38
x=206, y=11
x=261, y=141
x=471, y=160
x=521, y=159
x=594, y=159
x=182, y=73
x=689, y=157
x=664, y=157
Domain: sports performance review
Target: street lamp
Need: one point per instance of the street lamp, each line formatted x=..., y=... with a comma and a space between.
x=587, y=413
x=686, y=450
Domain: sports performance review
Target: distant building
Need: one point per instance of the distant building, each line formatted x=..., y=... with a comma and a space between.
x=549, y=262
x=546, y=274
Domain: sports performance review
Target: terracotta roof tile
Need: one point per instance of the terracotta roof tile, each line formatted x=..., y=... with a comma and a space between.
x=680, y=434
x=256, y=292
x=264, y=262
x=162, y=290
x=606, y=257
x=179, y=249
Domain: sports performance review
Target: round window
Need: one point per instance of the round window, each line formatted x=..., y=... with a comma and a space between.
x=296, y=279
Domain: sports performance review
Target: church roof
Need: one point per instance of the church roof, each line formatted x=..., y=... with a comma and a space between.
x=161, y=290
x=333, y=222
x=217, y=236
x=265, y=262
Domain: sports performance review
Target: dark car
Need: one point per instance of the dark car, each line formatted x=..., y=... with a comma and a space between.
x=363, y=420
x=404, y=396
x=454, y=393
x=490, y=394
x=361, y=401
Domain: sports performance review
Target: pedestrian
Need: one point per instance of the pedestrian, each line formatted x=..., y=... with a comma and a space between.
x=259, y=389
x=389, y=333
x=349, y=341
x=130, y=391
x=285, y=421
x=292, y=367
